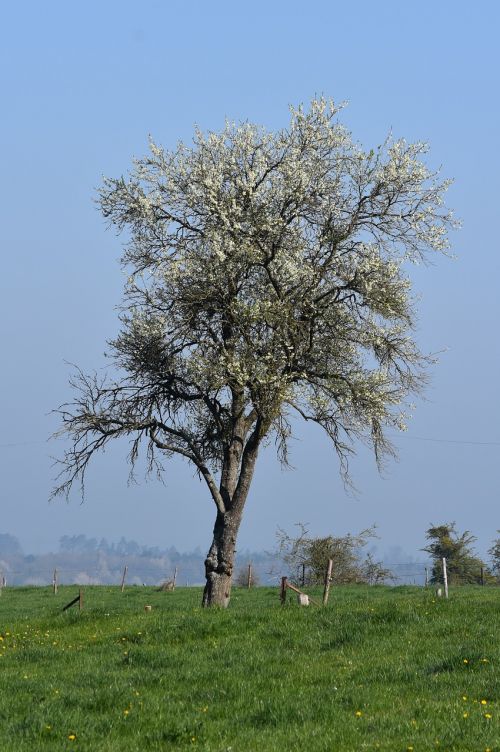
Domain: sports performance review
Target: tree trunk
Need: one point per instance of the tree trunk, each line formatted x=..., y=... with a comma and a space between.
x=220, y=560
x=235, y=485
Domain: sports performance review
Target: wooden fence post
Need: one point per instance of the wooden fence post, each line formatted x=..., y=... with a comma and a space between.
x=123, y=578
x=445, y=578
x=426, y=577
x=54, y=582
x=175, y=579
x=283, y=590
x=249, y=576
x=303, y=575
x=1, y=582
x=78, y=599
x=482, y=575
x=328, y=579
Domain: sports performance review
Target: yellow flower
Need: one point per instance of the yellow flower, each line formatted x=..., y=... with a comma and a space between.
x=126, y=712
x=465, y=660
x=487, y=715
x=358, y=713
x=72, y=737
x=464, y=697
x=484, y=702
x=466, y=715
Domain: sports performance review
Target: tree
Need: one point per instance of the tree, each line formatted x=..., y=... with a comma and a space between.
x=494, y=554
x=9, y=545
x=374, y=573
x=78, y=544
x=307, y=558
x=462, y=565
x=267, y=278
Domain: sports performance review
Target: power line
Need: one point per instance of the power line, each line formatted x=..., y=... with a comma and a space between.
x=23, y=443
x=452, y=441
x=404, y=435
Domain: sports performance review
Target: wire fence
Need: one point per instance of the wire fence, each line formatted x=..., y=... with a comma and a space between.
x=135, y=574
x=246, y=574
x=91, y=576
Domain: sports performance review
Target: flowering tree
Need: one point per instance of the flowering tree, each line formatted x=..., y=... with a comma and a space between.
x=267, y=278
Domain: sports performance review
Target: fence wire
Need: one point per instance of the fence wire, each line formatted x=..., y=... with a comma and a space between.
x=245, y=573
x=151, y=576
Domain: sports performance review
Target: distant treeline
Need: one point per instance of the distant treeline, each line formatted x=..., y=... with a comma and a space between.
x=84, y=560
x=89, y=561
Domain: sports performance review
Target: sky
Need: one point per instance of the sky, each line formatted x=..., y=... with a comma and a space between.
x=81, y=86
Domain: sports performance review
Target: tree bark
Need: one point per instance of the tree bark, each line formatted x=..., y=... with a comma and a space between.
x=236, y=477
x=220, y=560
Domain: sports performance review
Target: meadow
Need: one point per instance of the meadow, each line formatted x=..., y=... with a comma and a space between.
x=379, y=668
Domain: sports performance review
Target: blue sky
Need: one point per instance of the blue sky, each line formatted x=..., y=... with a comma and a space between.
x=82, y=86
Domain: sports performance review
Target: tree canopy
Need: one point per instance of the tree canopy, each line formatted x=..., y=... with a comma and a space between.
x=462, y=565
x=494, y=554
x=307, y=557
x=267, y=277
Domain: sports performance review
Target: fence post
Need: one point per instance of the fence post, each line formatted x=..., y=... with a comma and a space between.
x=1, y=582
x=482, y=575
x=54, y=582
x=78, y=599
x=123, y=578
x=426, y=577
x=283, y=590
x=445, y=578
x=175, y=579
x=328, y=579
x=303, y=575
x=249, y=576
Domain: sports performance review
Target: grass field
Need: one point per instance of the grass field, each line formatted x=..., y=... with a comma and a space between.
x=378, y=669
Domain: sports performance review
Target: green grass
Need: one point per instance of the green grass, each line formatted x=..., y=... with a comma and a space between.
x=378, y=669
